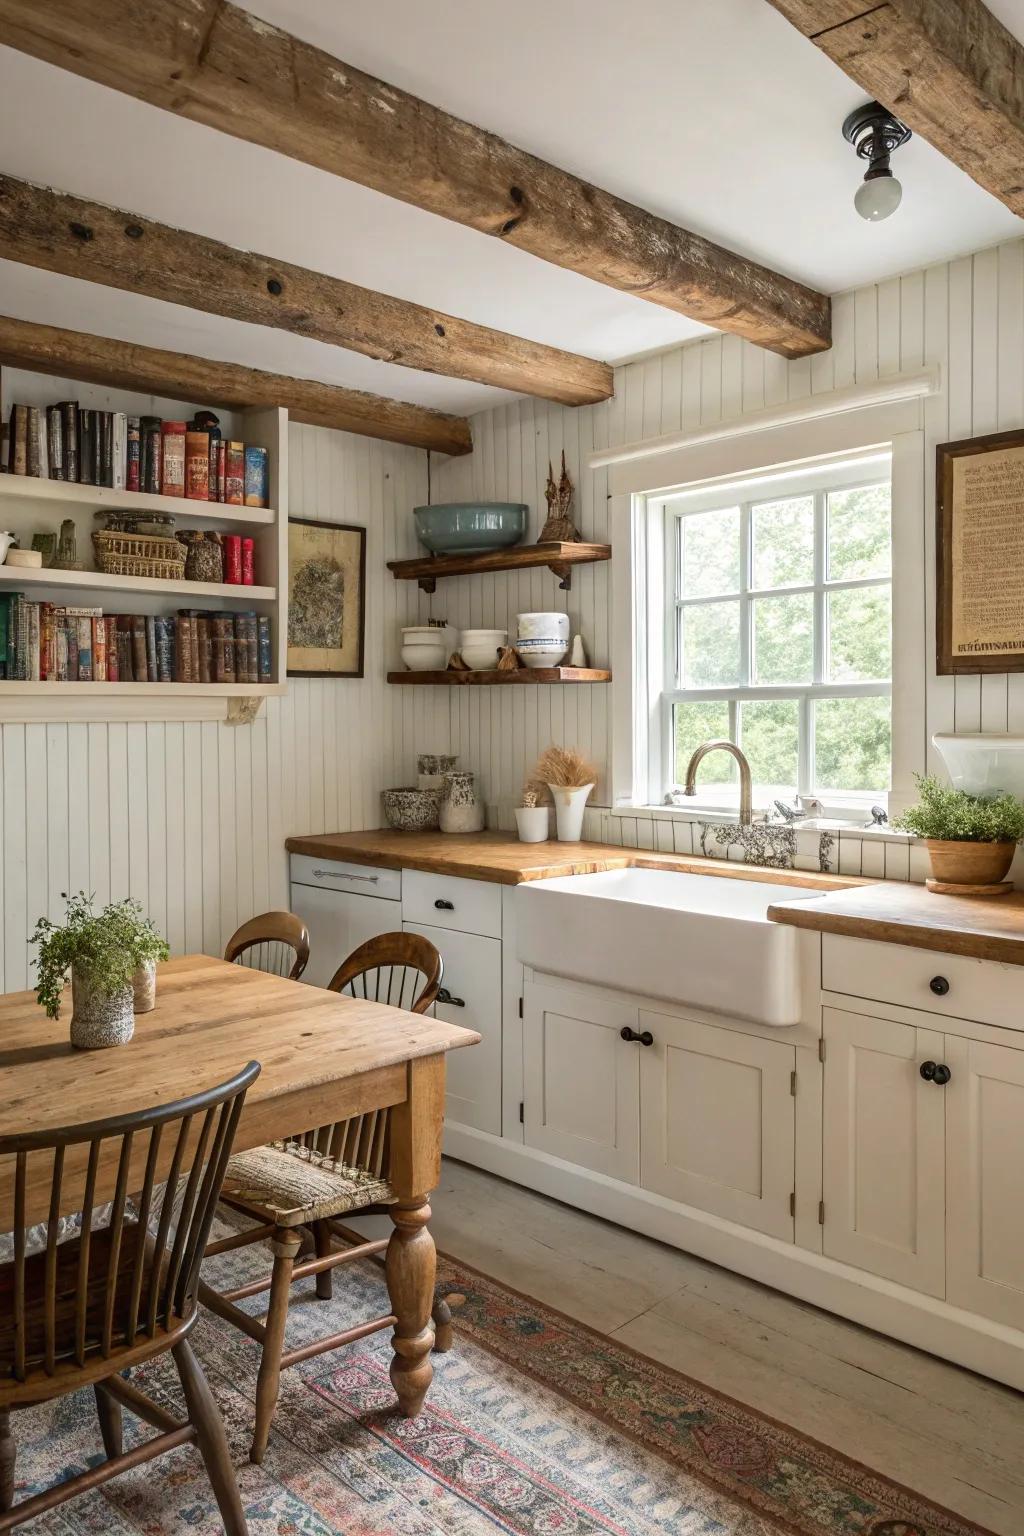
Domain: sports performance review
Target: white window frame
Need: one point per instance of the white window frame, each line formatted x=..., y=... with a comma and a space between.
x=817, y=479
x=830, y=425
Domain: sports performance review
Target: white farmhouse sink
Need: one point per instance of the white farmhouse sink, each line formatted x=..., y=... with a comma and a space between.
x=696, y=939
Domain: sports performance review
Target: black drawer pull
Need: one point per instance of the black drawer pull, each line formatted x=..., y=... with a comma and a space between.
x=444, y=996
x=936, y=1072
x=939, y=985
x=631, y=1036
x=444, y=906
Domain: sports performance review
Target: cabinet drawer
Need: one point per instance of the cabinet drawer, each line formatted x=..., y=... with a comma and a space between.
x=950, y=985
x=471, y=906
x=358, y=879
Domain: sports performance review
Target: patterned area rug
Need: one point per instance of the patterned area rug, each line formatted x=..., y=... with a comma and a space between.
x=535, y=1426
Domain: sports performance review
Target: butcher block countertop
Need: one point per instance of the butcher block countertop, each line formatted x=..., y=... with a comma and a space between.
x=498, y=857
x=896, y=912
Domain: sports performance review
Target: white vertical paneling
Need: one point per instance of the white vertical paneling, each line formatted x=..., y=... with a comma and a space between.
x=968, y=317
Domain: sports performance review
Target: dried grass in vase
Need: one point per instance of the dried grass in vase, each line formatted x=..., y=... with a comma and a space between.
x=564, y=767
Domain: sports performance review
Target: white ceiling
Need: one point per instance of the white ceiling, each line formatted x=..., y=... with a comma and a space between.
x=713, y=113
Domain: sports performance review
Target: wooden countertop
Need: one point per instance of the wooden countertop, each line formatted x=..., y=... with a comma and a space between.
x=498, y=857
x=897, y=912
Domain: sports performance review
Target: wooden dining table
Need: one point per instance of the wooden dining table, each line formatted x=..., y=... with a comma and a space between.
x=324, y=1058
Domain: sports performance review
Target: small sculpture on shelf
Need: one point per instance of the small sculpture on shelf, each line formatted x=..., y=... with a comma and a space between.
x=559, y=527
x=66, y=558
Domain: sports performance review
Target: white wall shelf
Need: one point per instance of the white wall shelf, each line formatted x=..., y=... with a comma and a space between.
x=18, y=576
x=29, y=505
x=101, y=498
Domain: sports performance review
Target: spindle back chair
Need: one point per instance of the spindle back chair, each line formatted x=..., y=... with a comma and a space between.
x=403, y=970
x=309, y=1180
x=275, y=942
x=83, y=1297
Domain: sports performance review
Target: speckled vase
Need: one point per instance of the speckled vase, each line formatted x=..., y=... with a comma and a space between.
x=144, y=987
x=460, y=810
x=100, y=1018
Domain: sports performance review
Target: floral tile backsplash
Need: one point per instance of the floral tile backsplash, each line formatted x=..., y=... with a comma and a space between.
x=886, y=855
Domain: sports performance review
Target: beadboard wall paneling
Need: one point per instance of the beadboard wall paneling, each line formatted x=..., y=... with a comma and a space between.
x=191, y=817
x=966, y=316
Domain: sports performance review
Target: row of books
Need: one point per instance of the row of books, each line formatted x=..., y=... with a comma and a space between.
x=136, y=453
x=41, y=642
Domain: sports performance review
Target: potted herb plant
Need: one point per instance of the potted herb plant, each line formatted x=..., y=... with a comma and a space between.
x=103, y=952
x=970, y=838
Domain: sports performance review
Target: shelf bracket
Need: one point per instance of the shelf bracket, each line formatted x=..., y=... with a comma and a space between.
x=427, y=583
x=243, y=711
x=563, y=570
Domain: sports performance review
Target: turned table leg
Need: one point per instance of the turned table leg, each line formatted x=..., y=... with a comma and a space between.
x=414, y=1169
x=409, y=1269
x=8, y=1455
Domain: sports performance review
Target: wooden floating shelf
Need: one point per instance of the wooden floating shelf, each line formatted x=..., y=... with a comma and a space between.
x=485, y=679
x=102, y=498
x=96, y=581
x=559, y=558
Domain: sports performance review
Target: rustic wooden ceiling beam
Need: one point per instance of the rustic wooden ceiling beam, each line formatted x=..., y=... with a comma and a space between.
x=200, y=380
x=48, y=229
x=212, y=62
x=947, y=68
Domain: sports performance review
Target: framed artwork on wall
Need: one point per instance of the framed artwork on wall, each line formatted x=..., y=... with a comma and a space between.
x=326, y=598
x=979, y=554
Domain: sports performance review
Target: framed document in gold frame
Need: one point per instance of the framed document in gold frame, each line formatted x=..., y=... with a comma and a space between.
x=979, y=554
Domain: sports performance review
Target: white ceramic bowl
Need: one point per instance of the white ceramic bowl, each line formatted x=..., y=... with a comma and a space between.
x=541, y=653
x=984, y=763
x=543, y=626
x=479, y=648
x=426, y=655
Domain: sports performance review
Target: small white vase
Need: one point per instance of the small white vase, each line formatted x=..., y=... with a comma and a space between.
x=532, y=822
x=569, y=807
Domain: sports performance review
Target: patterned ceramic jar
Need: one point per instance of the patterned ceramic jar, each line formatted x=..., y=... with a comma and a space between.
x=460, y=809
x=99, y=1018
x=411, y=810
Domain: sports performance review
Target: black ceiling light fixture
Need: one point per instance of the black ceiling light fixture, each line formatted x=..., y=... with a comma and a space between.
x=875, y=133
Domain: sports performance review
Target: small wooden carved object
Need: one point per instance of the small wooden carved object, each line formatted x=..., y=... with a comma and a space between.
x=559, y=527
x=509, y=659
x=456, y=663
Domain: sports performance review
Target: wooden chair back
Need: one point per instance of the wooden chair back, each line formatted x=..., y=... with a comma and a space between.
x=401, y=969
x=276, y=942
x=126, y=1274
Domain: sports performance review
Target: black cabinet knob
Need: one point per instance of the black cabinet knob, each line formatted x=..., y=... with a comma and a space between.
x=928, y=1069
x=631, y=1036
x=935, y=1072
x=444, y=906
x=939, y=985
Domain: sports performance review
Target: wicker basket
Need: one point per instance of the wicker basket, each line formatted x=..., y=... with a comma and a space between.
x=139, y=554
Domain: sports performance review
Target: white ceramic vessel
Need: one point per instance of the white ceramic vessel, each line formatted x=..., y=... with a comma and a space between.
x=532, y=823
x=541, y=653
x=984, y=762
x=479, y=648
x=425, y=648
x=543, y=626
x=570, y=803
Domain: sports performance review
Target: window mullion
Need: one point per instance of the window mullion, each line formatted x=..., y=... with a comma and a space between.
x=805, y=747
x=820, y=566
x=746, y=572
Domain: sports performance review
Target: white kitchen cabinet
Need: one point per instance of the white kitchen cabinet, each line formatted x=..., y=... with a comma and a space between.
x=582, y=1080
x=340, y=913
x=884, y=1150
x=472, y=982
x=984, y=1161
x=717, y=1121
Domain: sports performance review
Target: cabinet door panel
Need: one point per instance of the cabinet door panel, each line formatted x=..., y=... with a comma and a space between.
x=472, y=973
x=338, y=923
x=582, y=1081
x=717, y=1121
x=884, y=1150
x=985, y=1156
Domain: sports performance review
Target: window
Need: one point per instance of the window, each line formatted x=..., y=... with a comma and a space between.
x=779, y=627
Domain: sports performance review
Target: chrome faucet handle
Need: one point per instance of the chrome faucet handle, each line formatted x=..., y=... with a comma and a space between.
x=788, y=813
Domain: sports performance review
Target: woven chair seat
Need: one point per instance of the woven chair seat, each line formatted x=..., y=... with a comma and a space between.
x=294, y=1185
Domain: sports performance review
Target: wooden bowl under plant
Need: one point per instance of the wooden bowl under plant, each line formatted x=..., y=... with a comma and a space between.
x=970, y=838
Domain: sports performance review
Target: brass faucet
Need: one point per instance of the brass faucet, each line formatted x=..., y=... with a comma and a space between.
x=746, y=793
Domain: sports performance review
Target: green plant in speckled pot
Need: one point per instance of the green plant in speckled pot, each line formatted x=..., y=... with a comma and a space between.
x=103, y=952
x=970, y=838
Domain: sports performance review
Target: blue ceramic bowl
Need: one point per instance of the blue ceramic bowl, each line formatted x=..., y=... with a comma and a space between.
x=470, y=527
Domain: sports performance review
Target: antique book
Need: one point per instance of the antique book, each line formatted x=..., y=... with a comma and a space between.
x=172, y=478
x=197, y=465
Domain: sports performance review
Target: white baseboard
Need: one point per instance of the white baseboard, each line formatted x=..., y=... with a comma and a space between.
x=923, y=1321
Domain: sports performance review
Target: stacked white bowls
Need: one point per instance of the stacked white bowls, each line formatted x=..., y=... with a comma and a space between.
x=479, y=648
x=543, y=638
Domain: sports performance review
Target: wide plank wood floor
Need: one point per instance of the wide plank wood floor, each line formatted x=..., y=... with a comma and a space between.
x=950, y=1434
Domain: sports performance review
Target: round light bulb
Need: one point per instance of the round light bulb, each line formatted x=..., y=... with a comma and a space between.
x=878, y=198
